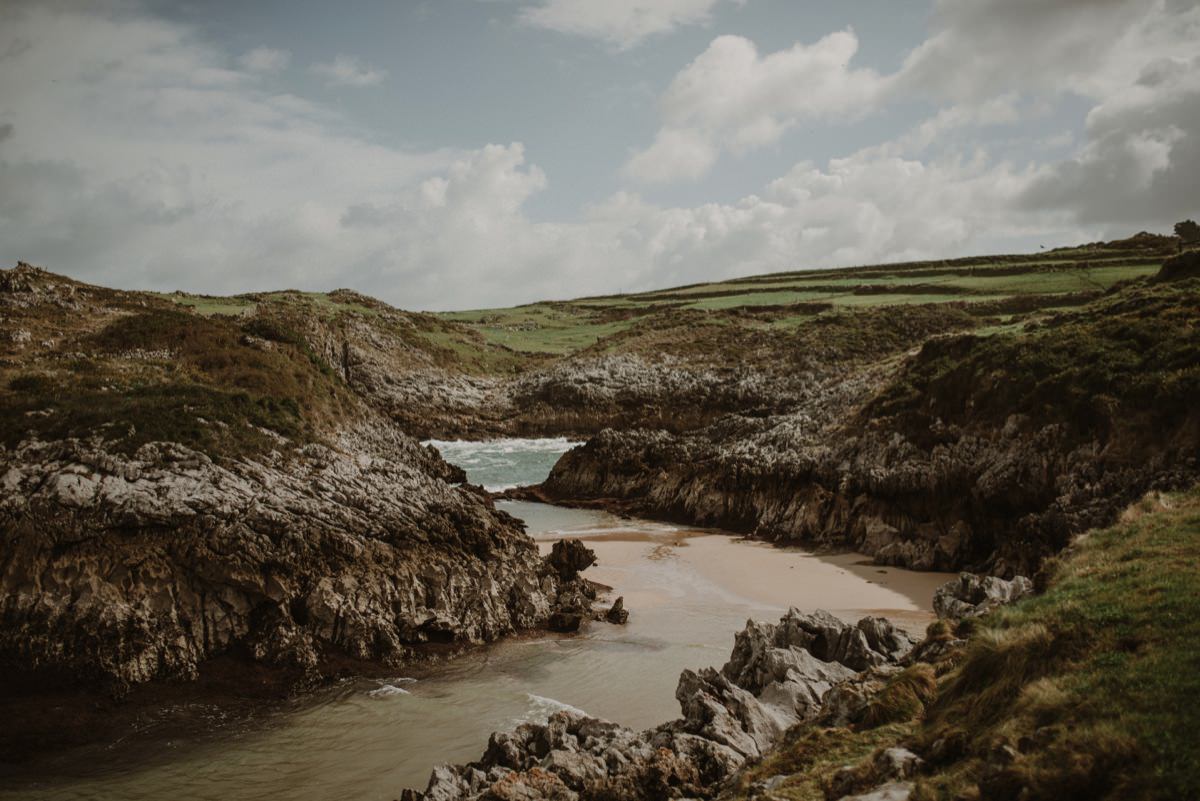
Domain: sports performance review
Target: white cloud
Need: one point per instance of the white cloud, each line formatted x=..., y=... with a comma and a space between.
x=165, y=167
x=732, y=98
x=172, y=166
x=1142, y=160
x=265, y=59
x=1135, y=60
x=621, y=23
x=348, y=71
x=1089, y=47
x=1002, y=110
x=676, y=153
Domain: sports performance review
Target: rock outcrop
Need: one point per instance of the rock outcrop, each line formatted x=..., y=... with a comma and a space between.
x=776, y=677
x=124, y=569
x=971, y=595
x=962, y=457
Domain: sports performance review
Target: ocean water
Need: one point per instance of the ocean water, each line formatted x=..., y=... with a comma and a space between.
x=502, y=464
x=687, y=591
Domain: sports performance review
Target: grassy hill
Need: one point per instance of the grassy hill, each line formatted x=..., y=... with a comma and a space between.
x=1000, y=287
x=1085, y=691
x=242, y=374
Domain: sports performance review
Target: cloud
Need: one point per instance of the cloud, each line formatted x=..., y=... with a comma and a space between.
x=987, y=63
x=620, y=23
x=1142, y=159
x=173, y=166
x=1134, y=60
x=677, y=153
x=167, y=167
x=265, y=59
x=348, y=71
x=731, y=98
x=864, y=208
x=1090, y=47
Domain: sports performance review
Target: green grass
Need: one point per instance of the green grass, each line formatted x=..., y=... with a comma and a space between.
x=327, y=304
x=809, y=755
x=556, y=329
x=167, y=374
x=1129, y=359
x=1088, y=690
x=1094, y=683
x=208, y=305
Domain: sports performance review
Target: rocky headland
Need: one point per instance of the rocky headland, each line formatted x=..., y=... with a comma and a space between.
x=807, y=670
x=186, y=479
x=978, y=452
x=176, y=489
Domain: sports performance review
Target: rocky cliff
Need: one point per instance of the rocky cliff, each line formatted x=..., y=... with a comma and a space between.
x=976, y=451
x=778, y=676
x=176, y=487
x=125, y=569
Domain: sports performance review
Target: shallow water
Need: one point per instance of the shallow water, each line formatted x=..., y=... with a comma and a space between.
x=501, y=464
x=687, y=591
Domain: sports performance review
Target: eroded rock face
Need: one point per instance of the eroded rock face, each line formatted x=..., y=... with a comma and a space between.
x=123, y=569
x=971, y=595
x=772, y=681
x=998, y=501
x=569, y=558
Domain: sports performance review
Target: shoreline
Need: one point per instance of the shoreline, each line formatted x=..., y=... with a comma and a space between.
x=218, y=706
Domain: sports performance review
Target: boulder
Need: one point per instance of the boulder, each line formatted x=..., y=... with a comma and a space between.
x=885, y=765
x=564, y=622
x=732, y=716
x=568, y=558
x=617, y=613
x=892, y=791
x=972, y=595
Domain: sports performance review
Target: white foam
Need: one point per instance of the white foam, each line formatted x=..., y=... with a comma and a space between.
x=541, y=708
x=390, y=688
x=507, y=445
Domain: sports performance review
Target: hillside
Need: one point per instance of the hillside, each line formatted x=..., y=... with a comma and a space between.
x=188, y=478
x=186, y=493
x=1080, y=692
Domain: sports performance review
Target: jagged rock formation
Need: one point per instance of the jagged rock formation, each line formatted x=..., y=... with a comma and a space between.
x=175, y=487
x=972, y=595
x=985, y=453
x=126, y=569
x=776, y=677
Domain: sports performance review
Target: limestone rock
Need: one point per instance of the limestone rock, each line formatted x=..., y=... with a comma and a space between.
x=124, y=569
x=773, y=680
x=617, y=613
x=972, y=595
x=892, y=791
x=569, y=558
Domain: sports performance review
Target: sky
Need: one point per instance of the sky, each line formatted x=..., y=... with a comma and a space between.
x=453, y=154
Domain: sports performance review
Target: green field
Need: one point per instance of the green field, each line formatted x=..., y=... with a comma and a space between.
x=786, y=300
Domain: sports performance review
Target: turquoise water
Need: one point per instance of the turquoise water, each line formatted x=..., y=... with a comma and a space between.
x=504, y=463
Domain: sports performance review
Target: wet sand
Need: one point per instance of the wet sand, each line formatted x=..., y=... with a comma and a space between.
x=761, y=575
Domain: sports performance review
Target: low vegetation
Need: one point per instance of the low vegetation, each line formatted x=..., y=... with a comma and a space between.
x=1128, y=362
x=163, y=374
x=975, y=284
x=238, y=374
x=1085, y=691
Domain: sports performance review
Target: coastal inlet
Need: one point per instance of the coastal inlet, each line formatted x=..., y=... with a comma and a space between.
x=688, y=591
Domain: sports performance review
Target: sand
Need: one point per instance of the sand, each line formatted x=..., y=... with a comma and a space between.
x=759, y=574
